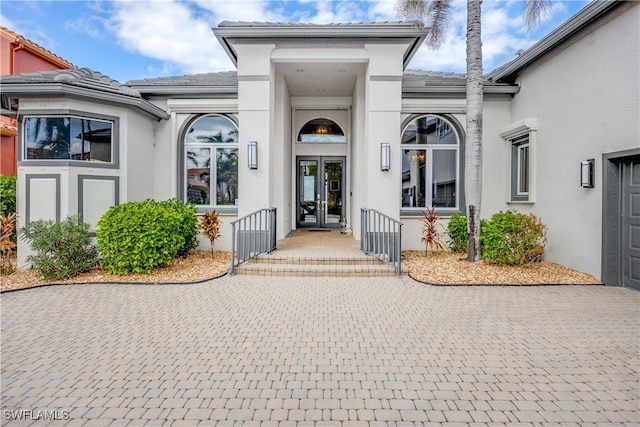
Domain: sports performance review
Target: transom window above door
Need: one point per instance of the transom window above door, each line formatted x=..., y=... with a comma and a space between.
x=321, y=130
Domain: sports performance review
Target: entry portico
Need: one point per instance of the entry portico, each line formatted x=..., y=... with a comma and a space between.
x=316, y=98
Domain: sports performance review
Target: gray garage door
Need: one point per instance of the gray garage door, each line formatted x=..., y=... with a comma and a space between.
x=631, y=223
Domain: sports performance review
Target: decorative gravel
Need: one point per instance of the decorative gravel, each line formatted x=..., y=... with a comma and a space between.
x=452, y=268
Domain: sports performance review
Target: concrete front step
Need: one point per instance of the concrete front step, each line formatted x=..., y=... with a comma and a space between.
x=319, y=266
x=316, y=260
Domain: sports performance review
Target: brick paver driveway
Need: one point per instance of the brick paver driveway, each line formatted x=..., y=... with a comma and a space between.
x=313, y=351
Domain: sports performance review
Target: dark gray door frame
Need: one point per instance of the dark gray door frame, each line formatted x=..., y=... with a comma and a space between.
x=611, y=215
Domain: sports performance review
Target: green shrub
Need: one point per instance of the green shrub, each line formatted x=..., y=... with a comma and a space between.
x=7, y=195
x=188, y=223
x=457, y=229
x=512, y=238
x=61, y=250
x=458, y=236
x=136, y=237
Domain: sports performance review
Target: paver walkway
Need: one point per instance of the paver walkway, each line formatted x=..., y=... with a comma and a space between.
x=317, y=351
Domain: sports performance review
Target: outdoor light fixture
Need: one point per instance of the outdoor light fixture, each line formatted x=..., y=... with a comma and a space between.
x=586, y=173
x=385, y=156
x=252, y=158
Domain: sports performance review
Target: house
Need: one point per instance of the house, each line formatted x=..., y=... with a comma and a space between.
x=320, y=121
x=19, y=55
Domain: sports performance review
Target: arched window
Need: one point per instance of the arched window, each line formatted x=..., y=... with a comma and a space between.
x=321, y=130
x=211, y=161
x=430, y=163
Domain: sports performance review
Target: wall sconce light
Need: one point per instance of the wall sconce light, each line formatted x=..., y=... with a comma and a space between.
x=586, y=173
x=252, y=158
x=385, y=156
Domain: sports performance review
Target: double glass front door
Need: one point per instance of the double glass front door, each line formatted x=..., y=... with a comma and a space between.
x=320, y=191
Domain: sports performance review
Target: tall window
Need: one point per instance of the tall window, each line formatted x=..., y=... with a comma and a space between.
x=211, y=159
x=68, y=138
x=520, y=169
x=430, y=164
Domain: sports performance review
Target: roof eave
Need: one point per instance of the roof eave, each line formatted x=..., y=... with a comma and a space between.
x=185, y=90
x=507, y=89
x=60, y=89
x=228, y=35
x=582, y=19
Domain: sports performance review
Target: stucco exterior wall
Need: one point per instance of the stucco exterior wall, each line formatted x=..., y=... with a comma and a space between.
x=281, y=159
x=137, y=157
x=585, y=99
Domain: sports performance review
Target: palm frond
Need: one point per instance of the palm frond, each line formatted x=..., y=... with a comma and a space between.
x=434, y=14
x=535, y=12
x=440, y=11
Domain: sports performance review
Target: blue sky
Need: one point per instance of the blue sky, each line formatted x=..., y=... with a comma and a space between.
x=150, y=38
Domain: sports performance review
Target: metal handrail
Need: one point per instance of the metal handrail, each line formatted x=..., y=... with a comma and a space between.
x=252, y=235
x=381, y=236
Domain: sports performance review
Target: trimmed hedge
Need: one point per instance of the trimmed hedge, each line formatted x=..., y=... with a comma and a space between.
x=136, y=237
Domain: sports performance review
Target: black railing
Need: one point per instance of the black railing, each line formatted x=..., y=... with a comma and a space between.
x=381, y=236
x=252, y=235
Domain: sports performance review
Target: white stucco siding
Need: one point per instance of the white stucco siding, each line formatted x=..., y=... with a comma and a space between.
x=359, y=151
x=256, y=115
x=494, y=176
x=585, y=99
x=383, y=92
x=139, y=157
x=281, y=161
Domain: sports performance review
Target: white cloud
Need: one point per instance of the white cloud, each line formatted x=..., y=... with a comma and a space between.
x=178, y=33
x=168, y=31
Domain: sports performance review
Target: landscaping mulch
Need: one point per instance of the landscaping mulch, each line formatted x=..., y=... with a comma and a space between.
x=438, y=268
x=197, y=266
x=449, y=268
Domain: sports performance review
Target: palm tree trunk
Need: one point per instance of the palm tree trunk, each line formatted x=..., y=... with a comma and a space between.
x=473, y=145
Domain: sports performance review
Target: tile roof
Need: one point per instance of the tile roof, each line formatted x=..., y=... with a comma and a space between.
x=222, y=78
x=80, y=82
x=81, y=77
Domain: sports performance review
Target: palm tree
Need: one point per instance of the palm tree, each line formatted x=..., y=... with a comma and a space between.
x=436, y=14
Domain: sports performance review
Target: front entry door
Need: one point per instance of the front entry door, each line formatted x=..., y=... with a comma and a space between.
x=321, y=192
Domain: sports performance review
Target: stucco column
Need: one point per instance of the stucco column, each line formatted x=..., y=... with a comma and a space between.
x=255, y=102
x=384, y=103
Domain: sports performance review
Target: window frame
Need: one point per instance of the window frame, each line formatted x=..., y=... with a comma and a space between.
x=517, y=136
x=190, y=121
x=69, y=114
x=429, y=148
x=521, y=145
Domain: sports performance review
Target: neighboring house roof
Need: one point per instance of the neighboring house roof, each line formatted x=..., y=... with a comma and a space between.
x=35, y=48
x=576, y=24
x=193, y=84
x=80, y=83
x=230, y=32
